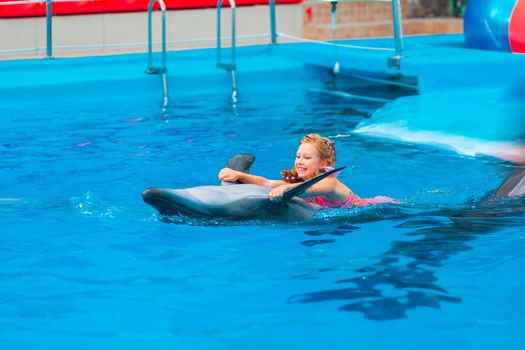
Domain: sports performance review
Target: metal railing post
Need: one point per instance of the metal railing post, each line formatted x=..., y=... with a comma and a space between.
x=395, y=61
x=333, y=11
x=49, y=28
x=219, y=5
x=272, y=22
x=234, y=39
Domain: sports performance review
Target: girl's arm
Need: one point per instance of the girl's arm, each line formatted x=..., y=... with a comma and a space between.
x=325, y=187
x=231, y=175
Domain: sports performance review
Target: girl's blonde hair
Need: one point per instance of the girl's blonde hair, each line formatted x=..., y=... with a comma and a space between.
x=324, y=146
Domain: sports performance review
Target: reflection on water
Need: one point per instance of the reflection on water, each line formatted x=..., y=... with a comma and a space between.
x=405, y=276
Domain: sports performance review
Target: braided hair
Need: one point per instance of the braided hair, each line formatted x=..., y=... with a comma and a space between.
x=324, y=146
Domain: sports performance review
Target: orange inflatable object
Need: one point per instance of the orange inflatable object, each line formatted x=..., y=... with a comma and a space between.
x=517, y=28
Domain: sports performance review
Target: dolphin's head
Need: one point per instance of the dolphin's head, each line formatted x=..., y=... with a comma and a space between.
x=171, y=202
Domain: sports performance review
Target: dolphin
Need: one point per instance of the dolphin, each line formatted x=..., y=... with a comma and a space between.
x=241, y=162
x=234, y=201
x=513, y=186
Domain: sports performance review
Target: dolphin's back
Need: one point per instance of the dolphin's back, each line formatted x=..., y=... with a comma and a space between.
x=234, y=202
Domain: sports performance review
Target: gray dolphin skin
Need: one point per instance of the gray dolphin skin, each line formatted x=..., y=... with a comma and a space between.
x=234, y=201
x=240, y=162
x=513, y=186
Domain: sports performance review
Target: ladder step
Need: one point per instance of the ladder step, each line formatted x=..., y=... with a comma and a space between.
x=156, y=70
x=227, y=66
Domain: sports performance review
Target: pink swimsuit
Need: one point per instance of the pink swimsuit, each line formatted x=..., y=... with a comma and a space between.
x=353, y=200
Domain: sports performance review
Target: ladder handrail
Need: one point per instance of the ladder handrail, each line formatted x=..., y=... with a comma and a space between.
x=230, y=66
x=162, y=69
x=162, y=5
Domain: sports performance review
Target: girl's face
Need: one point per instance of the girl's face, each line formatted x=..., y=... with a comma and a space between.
x=308, y=162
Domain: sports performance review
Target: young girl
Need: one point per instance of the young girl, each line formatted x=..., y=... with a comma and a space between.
x=316, y=155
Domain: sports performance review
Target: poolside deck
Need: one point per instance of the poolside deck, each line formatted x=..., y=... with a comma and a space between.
x=432, y=63
x=437, y=62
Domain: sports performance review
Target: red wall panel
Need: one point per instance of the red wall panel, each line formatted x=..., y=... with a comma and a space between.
x=104, y=6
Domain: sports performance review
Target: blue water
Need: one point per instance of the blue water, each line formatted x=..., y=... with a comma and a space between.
x=85, y=264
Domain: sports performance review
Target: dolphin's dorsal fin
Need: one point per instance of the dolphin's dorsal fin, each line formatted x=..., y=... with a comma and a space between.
x=240, y=162
x=513, y=186
x=298, y=190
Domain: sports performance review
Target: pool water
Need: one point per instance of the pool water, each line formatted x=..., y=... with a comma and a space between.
x=85, y=264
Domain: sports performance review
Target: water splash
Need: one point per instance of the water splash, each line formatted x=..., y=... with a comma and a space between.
x=90, y=204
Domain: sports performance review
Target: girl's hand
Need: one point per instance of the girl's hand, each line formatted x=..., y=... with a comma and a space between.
x=229, y=175
x=276, y=194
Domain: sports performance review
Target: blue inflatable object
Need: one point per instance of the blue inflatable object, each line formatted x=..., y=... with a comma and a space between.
x=495, y=25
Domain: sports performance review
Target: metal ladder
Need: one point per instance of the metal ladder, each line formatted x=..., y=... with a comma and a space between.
x=230, y=67
x=162, y=69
